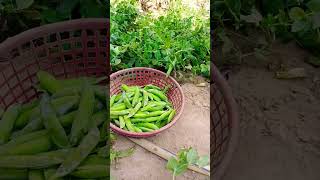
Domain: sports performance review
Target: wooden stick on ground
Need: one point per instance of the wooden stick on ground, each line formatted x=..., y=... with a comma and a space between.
x=165, y=154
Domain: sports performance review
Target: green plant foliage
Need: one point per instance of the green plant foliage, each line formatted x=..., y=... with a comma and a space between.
x=19, y=15
x=297, y=20
x=179, y=39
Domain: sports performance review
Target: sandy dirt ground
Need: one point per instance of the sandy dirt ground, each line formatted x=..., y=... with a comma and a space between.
x=192, y=129
x=280, y=120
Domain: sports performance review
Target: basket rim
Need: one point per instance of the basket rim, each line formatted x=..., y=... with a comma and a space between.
x=233, y=117
x=43, y=30
x=149, y=134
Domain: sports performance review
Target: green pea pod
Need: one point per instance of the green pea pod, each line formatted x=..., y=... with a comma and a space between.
x=136, y=97
x=158, y=93
x=112, y=100
x=126, y=100
x=117, y=123
x=124, y=87
x=67, y=119
x=91, y=171
x=61, y=105
x=114, y=117
x=13, y=174
x=130, y=94
x=144, y=129
x=164, y=115
x=38, y=161
x=52, y=124
x=119, y=113
x=48, y=173
x=83, y=116
x=154, y=105
x=160, y=124
x=7, y=122
x=4, y=149
x=151, y=97
x=173, y=112
x=157, y=108
x=33, y=125
x=29, y=106
x=33, y=146
x=154, y=97
x=94, y=160
x=118, y=107
x=137, y=129
x=122, y=122
x=145, y=98
x=148, y=125
x=148, y=114
x=118, y=97
x=134, y=110
x=67, y=91
x=65, y=104
x=128, y=124
x=48, y=82
x=98, y=106
x=88, y=143
x=100, y=93
x=149, y=119
x=150, y=86
x=36, y=175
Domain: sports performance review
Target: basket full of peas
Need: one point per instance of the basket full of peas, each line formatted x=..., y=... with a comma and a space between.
x=144, y=102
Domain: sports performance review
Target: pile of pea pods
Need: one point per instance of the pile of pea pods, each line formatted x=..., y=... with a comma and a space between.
x=61, y=135
x=141, y=109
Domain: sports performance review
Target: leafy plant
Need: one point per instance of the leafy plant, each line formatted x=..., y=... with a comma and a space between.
x=185, y=158
x=286, y=20
x=172, y=41
x=20, y=15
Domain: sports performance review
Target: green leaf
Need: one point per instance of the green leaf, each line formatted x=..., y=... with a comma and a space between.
x=117, y=61
x=91, y=9
x=67, y=6
x=254, y=17
x=296, y=13
x=314, y=5
x=23, y=4
x=315, y=20
x=172, y=164
x=192, y=156
x=181, y=168
x=234, y=7
x=299, y=26
x=203, y=161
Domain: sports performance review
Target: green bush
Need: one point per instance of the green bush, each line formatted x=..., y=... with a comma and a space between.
x=172, y=41
x=286, y=20
x=19, y=15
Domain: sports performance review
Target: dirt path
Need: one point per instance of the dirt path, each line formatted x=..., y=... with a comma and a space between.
x=280, y=121
x=192, y=129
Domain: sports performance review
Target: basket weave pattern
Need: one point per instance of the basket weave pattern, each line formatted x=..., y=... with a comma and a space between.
x=67, y=49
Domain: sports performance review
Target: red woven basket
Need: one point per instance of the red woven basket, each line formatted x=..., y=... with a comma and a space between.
x=141, y=76
x=66, y=49
x=224, y=128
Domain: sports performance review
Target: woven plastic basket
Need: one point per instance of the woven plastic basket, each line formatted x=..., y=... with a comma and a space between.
x=66, y=49
x=142, y=76
x=224, y=128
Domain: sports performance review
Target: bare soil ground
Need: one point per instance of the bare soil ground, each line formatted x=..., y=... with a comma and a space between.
x=280, y=120
x=192, y=129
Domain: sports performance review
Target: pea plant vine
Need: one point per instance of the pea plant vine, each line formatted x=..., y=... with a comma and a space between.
x=284, y=20
x=178, y=39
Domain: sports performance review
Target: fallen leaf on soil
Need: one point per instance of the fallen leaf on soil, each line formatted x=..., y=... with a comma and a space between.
x=292, y=74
